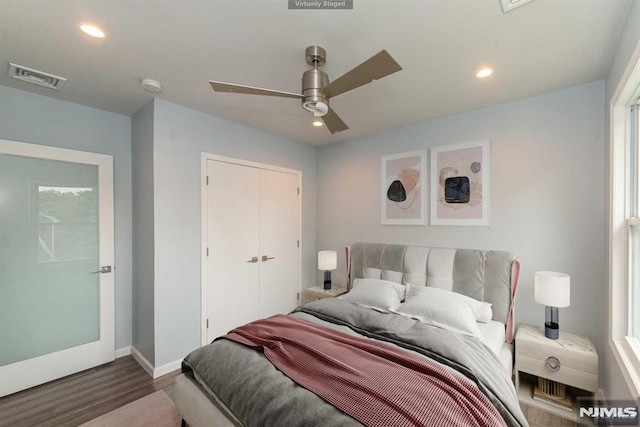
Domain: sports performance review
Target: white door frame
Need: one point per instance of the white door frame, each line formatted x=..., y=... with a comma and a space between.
x=41, y=369
x=203, y=203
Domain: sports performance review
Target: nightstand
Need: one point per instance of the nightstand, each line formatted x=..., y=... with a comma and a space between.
x=569, y=363
x=317, y=292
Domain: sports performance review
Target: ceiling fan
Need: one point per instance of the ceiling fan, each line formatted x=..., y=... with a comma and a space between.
x=316, y=88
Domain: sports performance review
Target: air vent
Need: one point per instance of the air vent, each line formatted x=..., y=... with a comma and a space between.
x=509, y=5
x=36, y=77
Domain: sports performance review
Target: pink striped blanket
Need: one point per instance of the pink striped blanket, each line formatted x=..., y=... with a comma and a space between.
x=374, y=382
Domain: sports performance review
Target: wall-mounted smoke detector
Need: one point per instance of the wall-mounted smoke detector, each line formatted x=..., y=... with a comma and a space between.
x=509, y=5
x=40, y=78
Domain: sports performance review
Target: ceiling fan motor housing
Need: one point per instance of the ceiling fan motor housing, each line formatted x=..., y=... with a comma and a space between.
x=314, y=99
x=313, y=81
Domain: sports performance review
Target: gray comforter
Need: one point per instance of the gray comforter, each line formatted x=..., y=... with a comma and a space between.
x=260, y=395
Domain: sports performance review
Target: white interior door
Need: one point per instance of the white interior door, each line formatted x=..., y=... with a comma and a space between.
x=232, y=267
x=279, y=234
x=56, y=233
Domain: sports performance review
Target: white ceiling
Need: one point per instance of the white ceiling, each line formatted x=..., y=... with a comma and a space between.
x=542, y=46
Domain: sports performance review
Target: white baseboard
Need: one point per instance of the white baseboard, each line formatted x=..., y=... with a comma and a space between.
x=122, y=352
x=165, y=369
x=146, y=365
x=152, y=370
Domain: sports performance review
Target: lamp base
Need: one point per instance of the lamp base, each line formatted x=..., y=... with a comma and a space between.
x=327, y=280
x=551, y=330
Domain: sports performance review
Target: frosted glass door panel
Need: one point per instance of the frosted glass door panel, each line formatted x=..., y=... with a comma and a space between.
x=49, y=295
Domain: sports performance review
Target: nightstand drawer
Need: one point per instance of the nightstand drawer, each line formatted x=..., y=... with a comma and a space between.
x=565, y=374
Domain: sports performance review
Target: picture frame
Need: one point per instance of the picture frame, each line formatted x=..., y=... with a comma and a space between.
x=403, y=188
x=460, y=184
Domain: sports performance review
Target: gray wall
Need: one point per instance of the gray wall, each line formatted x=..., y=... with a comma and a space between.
x=628, y=43
x=37, y=119
x=180, y=136
x=547, y=195
x=143, y=231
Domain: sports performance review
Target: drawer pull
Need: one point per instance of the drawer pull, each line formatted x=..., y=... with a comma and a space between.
x=552, y=363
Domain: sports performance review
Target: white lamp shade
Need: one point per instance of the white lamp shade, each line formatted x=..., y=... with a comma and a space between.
x=327, y=260
x=552, y=288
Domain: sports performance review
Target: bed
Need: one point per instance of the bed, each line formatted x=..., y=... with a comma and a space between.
x=443, y=316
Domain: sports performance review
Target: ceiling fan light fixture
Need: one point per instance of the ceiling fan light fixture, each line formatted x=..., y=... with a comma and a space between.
x=317, y=123
x=318, y=108
x=316, y=88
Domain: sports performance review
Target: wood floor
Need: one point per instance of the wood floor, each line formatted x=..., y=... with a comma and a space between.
x=539, y=418
x=86, y=395
x=83, y=396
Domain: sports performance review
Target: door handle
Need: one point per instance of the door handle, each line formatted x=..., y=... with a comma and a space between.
x=105, y=269
x=267, y=258
x=253, y=259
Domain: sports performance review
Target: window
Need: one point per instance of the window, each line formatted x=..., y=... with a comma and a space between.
x=633, y=225
x=624, y=229
x=67, y=223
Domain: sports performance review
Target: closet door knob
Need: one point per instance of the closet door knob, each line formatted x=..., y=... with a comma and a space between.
x=253, y=259
x=267, y=258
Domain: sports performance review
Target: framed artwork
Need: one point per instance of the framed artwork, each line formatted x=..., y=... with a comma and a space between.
x=403, y=188
x=460, y=184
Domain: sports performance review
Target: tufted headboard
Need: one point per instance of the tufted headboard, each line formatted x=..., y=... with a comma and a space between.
x=490, y=276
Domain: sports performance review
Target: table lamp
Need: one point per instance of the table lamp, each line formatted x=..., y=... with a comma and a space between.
x=553, y=290
x=327, y=261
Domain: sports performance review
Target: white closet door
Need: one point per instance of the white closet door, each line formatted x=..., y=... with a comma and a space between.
x=232, y=230
x=279, y=234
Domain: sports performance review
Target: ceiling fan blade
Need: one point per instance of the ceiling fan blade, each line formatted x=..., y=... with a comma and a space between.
x=250, y=90
x=333, y=122
x=374, y=68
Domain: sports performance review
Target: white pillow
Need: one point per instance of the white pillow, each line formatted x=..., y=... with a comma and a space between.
x=375, y=293
x=442, y=309
x=481, y=309
x=399, y=288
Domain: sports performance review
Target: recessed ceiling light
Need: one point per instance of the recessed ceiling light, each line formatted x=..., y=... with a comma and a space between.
x=92, y=30
x=317, y=123
x=484, y=72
